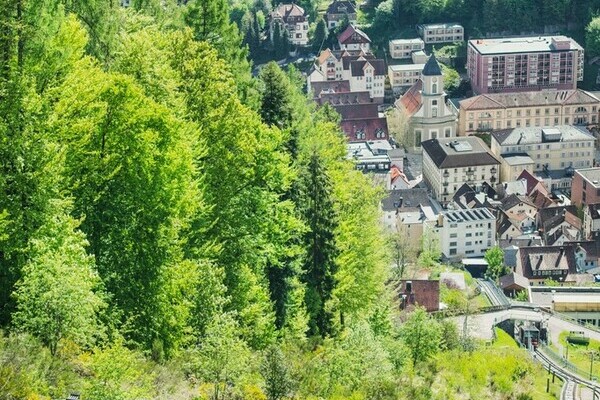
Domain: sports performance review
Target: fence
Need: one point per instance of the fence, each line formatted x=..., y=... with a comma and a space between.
x=559, y=360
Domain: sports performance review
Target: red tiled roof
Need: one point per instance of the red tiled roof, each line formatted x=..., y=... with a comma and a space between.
x=358, y=67
x=411, y=100
x=345, y=98
x=348, y=37
x=288, y=10
x=368, y=126
x=324, y=56
x=531, y=181
x=329, y=87
x=357, y=111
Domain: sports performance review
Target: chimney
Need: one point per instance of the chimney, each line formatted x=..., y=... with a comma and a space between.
x=440, y=221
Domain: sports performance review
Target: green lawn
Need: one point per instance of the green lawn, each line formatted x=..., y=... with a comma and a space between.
x=579, y=355
x=539, y=375
x=503, y=339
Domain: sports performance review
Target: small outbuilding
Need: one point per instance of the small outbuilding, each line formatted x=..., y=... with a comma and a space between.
x=513, y=283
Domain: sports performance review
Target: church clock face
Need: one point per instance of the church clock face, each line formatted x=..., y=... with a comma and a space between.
x=434, y=80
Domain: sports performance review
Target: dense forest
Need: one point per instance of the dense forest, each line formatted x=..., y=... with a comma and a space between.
x=173, y=228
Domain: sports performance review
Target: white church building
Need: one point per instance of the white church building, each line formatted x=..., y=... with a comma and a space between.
x=424, y=105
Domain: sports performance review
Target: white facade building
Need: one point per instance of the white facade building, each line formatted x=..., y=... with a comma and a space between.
x=463, y=233
x=448, y=163
x=403, y=48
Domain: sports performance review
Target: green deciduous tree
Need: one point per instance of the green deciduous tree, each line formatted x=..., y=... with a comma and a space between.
x=58, y=296
x=495, y=260
x=129, y=167
x=222, y=357
x=421, y=334
x=246, y=173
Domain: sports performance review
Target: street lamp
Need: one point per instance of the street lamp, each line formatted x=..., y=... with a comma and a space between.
x=592, y=353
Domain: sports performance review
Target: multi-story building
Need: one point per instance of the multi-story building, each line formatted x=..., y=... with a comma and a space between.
x=441, y=33
x=494, y=111
x=294, y=20
x=404, y=75
x=448, y=163
x=339, y=11
x=586, y=186
x=463, y=233
x=540, y=263
x=403, y=48
x=424, y=105
x=354, y=39
x=524, y=64
x=561, y=148
x=362, y=70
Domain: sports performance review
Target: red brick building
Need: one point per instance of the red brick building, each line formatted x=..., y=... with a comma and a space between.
x=424, y=293
x=585, y=188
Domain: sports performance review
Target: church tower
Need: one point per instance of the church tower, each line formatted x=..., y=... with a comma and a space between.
x=433, y=90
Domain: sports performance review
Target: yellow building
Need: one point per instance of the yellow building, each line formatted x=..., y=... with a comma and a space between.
x=496, y=111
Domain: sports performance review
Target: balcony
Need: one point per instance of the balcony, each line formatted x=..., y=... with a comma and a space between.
x=446, y=174
x=493, y=170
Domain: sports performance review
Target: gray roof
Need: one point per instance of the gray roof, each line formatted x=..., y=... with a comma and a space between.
x=535, y=135
x=406, y=67
x=514, y=279
x=404, y=199
x=490, y=101
x=443, y=152
x=513, y=200
x=407, y=41
x=533, y=44
x=529, y=242
x=441, y=25
x=432, y=68
x=591, y=175
x=518, y=159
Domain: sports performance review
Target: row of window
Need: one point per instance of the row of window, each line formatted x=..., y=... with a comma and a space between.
x=485, y=125
x=528, y=112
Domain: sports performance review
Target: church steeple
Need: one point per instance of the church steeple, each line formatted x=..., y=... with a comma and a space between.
x=432, y=68
x=433, y=89
x=433, y=81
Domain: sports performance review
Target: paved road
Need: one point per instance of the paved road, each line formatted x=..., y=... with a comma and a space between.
x=481, y=325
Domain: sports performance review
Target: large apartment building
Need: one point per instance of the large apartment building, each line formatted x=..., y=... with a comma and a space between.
x=546, y=149
x=449, y=163
x=293, y=19
x=495, y=111
x=463, y=233
x=403, y=48
x=441, y=33
x=524, y=64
